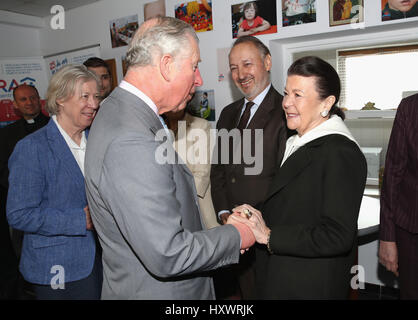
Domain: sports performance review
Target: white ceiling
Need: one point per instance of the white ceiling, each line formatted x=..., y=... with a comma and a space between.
x=40, y=8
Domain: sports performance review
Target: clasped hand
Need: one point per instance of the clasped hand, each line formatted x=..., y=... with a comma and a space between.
x=255, y=222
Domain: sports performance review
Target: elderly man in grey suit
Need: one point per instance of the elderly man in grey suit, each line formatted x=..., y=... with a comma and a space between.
x=146, y=210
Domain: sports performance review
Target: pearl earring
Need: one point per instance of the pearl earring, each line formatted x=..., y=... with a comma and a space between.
x=324, y=113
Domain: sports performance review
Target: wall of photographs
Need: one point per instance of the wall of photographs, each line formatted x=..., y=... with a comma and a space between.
x=217, y=23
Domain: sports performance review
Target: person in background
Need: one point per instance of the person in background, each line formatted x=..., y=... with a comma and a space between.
x=398, y=250
x=399, y=9
x=260, y=108
x=144, y=206
x=308, y=222
x=47, y=198
x=252, y=22
x=27, y=104
x=101, y=69
x=192, y=143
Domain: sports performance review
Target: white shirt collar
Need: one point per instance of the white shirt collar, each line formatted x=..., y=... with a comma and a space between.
x=259, y=99
x=70, y=142
x=134, y=90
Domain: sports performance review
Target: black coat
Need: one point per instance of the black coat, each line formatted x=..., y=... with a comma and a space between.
x=312, y=209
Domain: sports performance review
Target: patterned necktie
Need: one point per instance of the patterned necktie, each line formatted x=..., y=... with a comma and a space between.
x=245, y=116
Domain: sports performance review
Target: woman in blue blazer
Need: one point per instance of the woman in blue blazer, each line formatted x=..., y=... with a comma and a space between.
x=47, y=198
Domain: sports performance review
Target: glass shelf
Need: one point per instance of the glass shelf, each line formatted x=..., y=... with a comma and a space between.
x=370, y=114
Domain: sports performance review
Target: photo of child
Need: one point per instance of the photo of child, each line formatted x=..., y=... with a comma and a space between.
x=399, y=9
x=196, y=13
x=202, y=105
x=345, y=12
x=254, y=18
x=298, y=12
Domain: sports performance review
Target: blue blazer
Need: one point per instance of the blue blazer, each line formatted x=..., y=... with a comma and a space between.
x=46, y=200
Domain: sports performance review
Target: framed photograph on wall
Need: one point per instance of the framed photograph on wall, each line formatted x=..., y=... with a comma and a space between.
x=396, y=9
x=296, y=12
x=254, y=18
x=202, y=104
x=196, y=13
x=122, y=30
x=345, y=12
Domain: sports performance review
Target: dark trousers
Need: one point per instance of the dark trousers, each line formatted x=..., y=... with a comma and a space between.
x=407, y=244
x=89, y=288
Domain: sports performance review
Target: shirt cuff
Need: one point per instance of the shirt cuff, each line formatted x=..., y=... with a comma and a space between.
x=222, y=212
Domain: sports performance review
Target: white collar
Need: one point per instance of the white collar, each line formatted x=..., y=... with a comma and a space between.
x=70, y=142
x=134, y=90
x=259, y=99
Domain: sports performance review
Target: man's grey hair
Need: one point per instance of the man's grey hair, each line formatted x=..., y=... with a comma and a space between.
x=166, y=35
x=264, y=51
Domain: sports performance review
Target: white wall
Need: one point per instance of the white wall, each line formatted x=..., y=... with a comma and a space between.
x=19, y=41
x=89, y=25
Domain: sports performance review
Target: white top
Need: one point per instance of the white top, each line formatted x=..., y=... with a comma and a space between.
x=78, y=151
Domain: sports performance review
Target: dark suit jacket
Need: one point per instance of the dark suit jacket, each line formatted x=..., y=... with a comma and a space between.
x=398, y=199
x=9, y=136
x=312, y=209
x=230, y=186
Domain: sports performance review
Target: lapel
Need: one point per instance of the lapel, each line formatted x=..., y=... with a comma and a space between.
x=236, y=114
x=294, y=165
x=262, y=116
x=60, y=149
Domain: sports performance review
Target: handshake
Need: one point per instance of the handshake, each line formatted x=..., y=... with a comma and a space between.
x=250, y=224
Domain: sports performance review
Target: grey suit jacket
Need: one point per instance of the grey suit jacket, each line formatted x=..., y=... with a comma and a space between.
x=146, y=214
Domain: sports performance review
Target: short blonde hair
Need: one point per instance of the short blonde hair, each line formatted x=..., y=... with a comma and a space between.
x=63, y=85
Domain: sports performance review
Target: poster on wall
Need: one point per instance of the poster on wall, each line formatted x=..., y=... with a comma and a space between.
x=78, y=56
x=254, y=18
x=345, y=12
x=399, y=9
x=154, y=9
x=30, y=71
x=122, y=30
x=296, y=12
x=196, y=13
x=202, y=105
x=223, y=64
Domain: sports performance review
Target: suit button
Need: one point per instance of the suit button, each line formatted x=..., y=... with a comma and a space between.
x=233, y=180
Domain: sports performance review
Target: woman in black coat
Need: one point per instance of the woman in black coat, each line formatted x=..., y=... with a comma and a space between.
x=308, y=222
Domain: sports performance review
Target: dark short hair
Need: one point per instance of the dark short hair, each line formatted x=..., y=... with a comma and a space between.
x=264, y=51
x=327, y=80
x=24, y=85
x=95, y=62
x=247, y=5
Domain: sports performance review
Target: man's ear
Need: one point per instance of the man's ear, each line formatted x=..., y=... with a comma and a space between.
x=166, y=66
x=267, y=62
